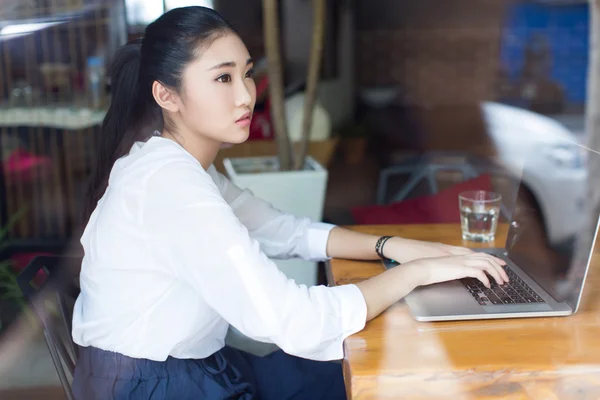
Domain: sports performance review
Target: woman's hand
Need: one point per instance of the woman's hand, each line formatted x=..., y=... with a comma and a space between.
x=448, y=268
x=385, y=289
x=406, y=250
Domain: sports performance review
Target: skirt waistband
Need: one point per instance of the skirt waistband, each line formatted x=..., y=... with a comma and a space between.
x=108, y=364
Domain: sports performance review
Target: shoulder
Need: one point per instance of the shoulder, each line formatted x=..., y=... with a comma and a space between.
x=220, y=180
x=160, y=158
x=174, y=176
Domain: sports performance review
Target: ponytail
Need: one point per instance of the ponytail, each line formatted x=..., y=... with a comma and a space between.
x=120, y=126
x=169, y=44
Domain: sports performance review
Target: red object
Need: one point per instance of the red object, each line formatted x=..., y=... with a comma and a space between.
x=21, y=164
x=262, y=86
x=21, y=261
x=261, y=126
x=438, y=208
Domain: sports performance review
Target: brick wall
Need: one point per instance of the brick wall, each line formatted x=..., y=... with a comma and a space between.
x=437, y=52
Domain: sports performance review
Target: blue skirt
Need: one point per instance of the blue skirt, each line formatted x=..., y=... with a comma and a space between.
x=227, y=374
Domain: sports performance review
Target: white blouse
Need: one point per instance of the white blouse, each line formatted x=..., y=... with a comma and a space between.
x=174, y=254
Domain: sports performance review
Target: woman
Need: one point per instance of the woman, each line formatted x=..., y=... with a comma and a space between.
x=174, y=252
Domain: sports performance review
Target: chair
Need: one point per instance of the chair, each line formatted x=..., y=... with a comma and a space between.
x=52, y=303
x=425, y=167
x=440, y=205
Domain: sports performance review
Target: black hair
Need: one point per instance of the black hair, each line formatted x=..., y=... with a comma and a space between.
x=168, y=45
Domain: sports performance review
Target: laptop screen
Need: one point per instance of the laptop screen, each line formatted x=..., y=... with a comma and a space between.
x=553, y=226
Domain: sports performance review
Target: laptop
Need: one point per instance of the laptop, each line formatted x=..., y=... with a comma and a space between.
x=546, y=274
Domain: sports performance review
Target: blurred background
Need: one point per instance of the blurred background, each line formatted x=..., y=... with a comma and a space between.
x=416, y=101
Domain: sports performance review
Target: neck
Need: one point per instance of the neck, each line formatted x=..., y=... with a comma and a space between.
x=202, y=149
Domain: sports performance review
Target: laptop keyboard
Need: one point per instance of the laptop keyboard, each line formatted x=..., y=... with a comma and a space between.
x=516, y=291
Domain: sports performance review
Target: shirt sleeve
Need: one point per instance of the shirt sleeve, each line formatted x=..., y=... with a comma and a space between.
x=280, y=235
x=195, y=232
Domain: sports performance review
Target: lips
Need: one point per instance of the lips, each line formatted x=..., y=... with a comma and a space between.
x=246, y=116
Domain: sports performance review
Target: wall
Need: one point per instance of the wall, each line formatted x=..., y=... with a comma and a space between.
x=336, y=89
x=435, y=52
x=246, y=18
x=338, y=95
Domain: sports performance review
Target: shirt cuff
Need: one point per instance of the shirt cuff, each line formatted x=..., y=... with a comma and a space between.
x=354, y=309
x=353, y=319
x=318, y=234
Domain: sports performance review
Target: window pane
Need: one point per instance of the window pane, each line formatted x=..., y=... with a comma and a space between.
x=184, y=3
x=143, y=12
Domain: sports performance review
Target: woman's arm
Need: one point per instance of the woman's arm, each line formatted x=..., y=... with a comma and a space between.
x=348, y=244
x=197, y=237
x=424, y=263
x=351, y=245
x=280, y=234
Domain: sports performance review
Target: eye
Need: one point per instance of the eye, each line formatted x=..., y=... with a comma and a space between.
x=225, y=78
x=250, y=73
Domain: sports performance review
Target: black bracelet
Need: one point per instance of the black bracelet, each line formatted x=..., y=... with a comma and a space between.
x=379, y=245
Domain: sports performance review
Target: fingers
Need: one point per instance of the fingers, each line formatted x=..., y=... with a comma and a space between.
x=500, y=269
x=476, y=265
x=478, y=274
x=498, y=264
x=491, y=268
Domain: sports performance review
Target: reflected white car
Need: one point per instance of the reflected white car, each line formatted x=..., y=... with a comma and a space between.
x=549, y=160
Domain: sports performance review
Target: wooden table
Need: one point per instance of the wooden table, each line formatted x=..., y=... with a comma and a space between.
x=396, y=357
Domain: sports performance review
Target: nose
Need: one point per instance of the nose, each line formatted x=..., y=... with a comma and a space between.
x=243, y=95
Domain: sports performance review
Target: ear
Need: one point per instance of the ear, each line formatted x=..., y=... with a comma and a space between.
x=165, y=97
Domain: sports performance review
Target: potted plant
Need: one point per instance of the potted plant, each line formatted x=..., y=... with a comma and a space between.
x=12, y=301
x=290, y=180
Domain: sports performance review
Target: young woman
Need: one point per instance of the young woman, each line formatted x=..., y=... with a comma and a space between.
x=174, y=252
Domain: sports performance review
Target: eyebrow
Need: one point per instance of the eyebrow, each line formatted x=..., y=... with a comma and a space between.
x=230, y=64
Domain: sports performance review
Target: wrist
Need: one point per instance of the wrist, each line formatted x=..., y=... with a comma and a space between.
x=397, y=249
x=380, y=245
x=411, y=275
